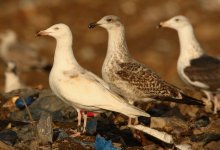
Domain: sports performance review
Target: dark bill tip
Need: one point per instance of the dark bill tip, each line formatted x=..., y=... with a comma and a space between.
x=92, y=25
x=159, y=26
x=37, y=33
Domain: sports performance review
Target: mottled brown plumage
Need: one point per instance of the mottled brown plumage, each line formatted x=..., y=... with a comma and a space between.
x=205, y=69
x=131, y=79
x=146, y=80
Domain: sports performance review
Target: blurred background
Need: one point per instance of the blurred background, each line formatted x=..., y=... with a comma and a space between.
x=157, y=48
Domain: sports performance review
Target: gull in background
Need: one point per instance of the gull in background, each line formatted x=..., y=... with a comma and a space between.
x=78, y=87
x=12, y=81
x=129, y=78
x=194, y=67
x=25, y=57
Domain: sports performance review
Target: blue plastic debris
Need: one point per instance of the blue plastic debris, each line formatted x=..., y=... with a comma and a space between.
x=91, y=126
x=29, y=100
x=102, y=144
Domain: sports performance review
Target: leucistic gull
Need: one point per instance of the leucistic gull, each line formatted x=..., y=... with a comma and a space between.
x=78, y=87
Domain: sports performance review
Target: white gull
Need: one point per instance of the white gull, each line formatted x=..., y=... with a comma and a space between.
x=78, y=87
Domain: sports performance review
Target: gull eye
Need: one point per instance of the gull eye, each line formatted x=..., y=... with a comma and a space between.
x=109, y=20
x=176, y=19
x=56, y=28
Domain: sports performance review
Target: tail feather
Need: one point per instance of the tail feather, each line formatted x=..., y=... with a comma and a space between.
x=185, y=100
x=192, y=101
x=135, y=111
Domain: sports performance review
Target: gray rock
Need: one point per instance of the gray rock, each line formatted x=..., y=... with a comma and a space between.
x=44, y=128
x=48, y=102
x=8, y=136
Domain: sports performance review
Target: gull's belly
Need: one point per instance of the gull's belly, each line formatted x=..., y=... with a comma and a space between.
x=75, y=93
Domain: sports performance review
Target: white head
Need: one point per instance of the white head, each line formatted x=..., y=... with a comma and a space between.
x=58, y=31
x=11, y=67
x=9, y=37
x=177, y=23
x=109, y=22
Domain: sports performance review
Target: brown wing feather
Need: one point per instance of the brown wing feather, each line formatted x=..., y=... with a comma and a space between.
x=140, y=77
x=205, y=69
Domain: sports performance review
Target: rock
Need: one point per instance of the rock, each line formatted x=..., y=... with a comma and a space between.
x=21, y=92
x=202, y=121
x=48, y=102
x=26, y=132
x=27, y=137
x=44, y=128
x=206, y=137
x=59, y=134
x=3, y=146
x=8, y=136
x=213, y=145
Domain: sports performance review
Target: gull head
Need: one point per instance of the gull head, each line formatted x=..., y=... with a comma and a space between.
x=58, y=31
x=109, y=22
x=9, y=37
x=177, y=23
x=11, y=67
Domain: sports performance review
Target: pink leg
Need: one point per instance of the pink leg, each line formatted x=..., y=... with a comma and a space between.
x=129, y=121
x=136, y=121
x=84, y=122
x=215, y=104
x=79, y=117
x=77, y=132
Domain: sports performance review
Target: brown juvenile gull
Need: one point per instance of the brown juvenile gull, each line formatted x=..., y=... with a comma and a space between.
x=129, y=78
x=25, y=57
x=78, y=87
x=194, y=67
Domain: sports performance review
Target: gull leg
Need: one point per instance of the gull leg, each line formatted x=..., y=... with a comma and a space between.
x=136, y=121
x=77, y=131
x=84, y=122
x=208, y=95
x=129, y=121
x=208, y=101
x=215, y=104
x=79, y=117
x=214, y=101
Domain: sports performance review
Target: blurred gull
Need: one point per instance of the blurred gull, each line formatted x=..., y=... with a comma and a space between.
x=129, y=78
x=12, y=81
x=78, y=87
x=24, y=56
x=194, y=67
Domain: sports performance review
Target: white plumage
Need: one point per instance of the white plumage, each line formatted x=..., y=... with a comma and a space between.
x=78, y=87
x=12, y=80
